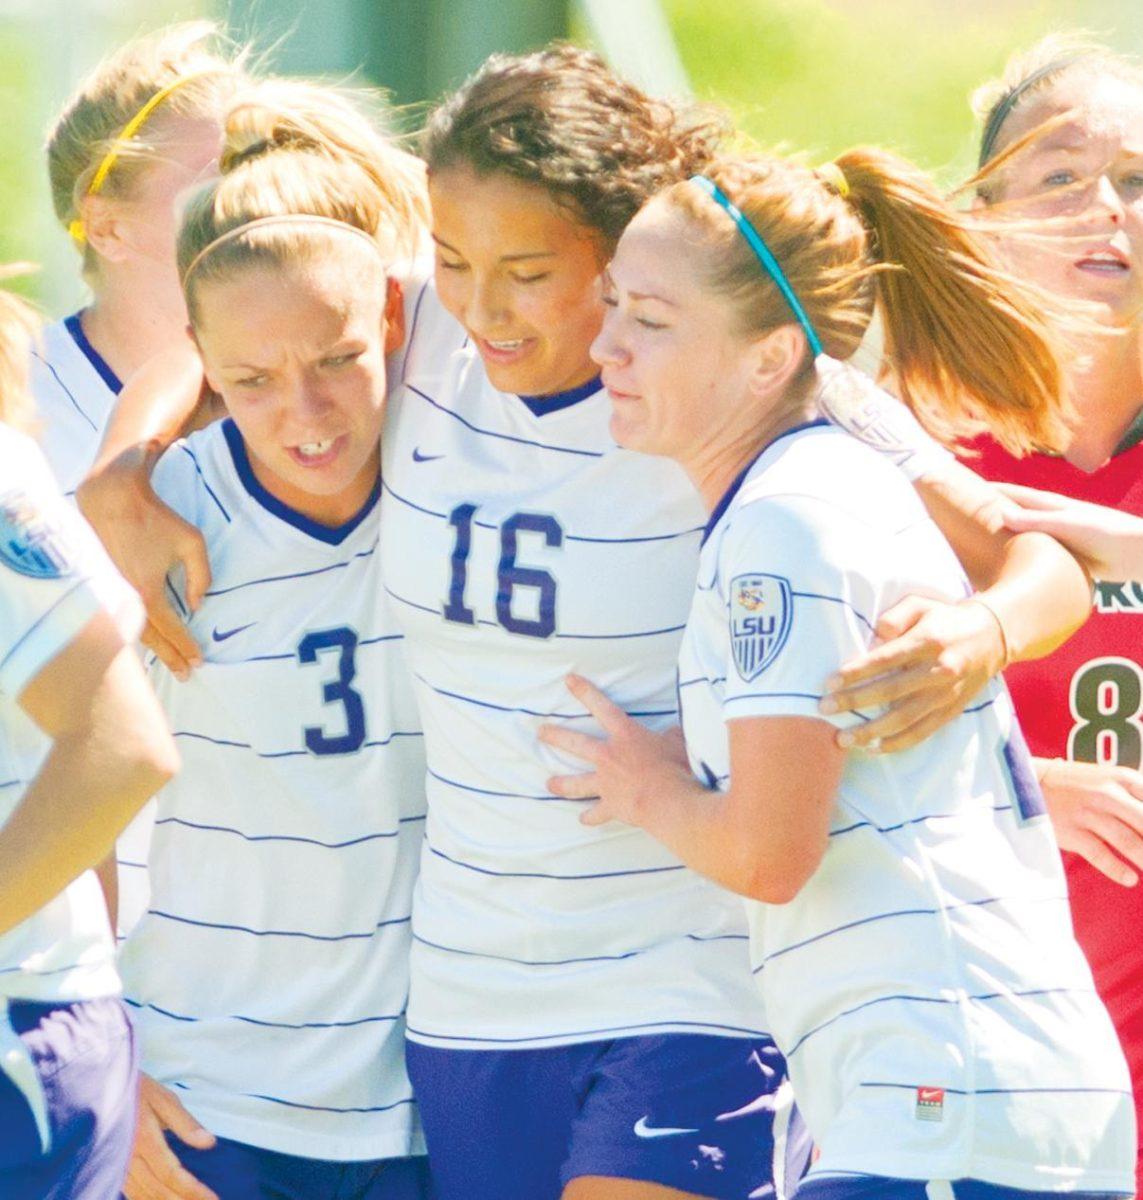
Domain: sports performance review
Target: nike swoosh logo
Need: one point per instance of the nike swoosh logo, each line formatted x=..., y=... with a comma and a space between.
x=643, y=1130
x=221, y=637
x=419, y=457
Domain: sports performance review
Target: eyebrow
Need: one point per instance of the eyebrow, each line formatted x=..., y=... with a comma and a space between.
x=504, y=257
x=608, y=281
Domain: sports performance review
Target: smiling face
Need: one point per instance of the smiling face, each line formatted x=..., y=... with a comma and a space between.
x=1086, y=177
x=520, y=275
x=675, y=365
x=298, y=354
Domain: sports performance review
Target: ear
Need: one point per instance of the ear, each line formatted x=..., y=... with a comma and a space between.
x=102, y=228
x=394, y=316
x=776, y=358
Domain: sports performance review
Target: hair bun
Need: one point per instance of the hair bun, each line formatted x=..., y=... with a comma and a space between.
x=254, y=130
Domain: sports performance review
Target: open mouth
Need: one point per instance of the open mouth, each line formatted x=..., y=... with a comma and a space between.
x=504, y=350
x=316, y=454
x=1107, y=261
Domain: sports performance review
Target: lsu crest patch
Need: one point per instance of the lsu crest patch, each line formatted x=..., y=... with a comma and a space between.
x=31, y=543
x=761, y=613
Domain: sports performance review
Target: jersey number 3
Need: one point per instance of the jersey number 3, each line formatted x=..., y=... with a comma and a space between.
x=510, y=576
x=336, y=691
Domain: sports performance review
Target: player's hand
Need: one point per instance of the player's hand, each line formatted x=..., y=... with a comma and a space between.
x=933, y=658
x=155, y=1172
x=1097, y=812
x=629, y=764
x=145, y=540
x=1109, y=542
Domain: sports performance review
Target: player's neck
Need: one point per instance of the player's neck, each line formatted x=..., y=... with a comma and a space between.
x=713, y=468
x=1108, y=395
x=128, y=327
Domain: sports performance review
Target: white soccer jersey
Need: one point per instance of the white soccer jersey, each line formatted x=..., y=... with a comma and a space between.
x=75, y=391
x=268, y=978
x=937, y=1017
x=518, y=546
x=54, y=577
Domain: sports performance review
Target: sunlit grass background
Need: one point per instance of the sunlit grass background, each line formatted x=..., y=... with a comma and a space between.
x=818, y=75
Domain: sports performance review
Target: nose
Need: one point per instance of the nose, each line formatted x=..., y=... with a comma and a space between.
x=487, y=310
x=1108, y=199
x=309, y=403
x=608, y=349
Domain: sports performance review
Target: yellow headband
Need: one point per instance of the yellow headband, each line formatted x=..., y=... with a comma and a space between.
x=75, y=228
x=280, y=219
x=832, y=174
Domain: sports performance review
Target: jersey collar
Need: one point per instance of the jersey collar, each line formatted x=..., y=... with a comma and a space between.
x=331, y=535
x=74, y=326
x=736, y=486
x=540, y=406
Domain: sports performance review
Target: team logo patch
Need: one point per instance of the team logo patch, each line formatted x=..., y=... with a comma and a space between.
x=29, y=542
x=761, y=613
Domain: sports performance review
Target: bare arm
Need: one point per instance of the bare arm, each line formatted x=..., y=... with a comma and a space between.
x=934, y=657
x=110, y=752
x=1110, y=542
x=143, y=536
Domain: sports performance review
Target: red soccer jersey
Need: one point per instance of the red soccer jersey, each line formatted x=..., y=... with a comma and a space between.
x=1085, y=702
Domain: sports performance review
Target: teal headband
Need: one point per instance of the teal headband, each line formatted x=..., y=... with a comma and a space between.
x=762, y=251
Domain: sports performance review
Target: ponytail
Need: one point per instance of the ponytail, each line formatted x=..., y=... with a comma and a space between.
x=972, y=348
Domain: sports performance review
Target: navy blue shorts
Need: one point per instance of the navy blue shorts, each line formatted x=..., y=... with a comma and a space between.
x=236, y=1171
x=712, y=1116
x=878, y=1187
x=84, y=1054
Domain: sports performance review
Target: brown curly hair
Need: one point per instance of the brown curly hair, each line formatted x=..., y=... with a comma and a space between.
x=561, y=120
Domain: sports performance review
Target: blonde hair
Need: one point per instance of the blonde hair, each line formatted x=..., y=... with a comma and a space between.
x=19, y=328
x=1028, y=75
x=970, y=347
x=192, y=59
x=296, y=148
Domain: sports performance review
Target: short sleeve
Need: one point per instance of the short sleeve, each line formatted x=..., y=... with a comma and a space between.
x=800, y=585
x=54, y=575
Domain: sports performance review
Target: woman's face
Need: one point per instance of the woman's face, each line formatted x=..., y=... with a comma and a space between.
x=298, y=354
x=674, y=364
x=521, y=276
x=1086, y=177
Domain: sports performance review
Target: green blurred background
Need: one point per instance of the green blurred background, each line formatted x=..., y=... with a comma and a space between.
x=816, y=75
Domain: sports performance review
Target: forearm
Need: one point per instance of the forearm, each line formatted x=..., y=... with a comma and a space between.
x=159, y=403
x=1041, y=596
x=68, y=819
x=1039, y=592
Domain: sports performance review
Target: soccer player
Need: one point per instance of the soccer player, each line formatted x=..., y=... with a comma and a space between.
x=269, y=976
x=1062, y=169
x=83, y=744
x=581, y=1016
x=909, y=919
x=141, y=129
x=1063, y=147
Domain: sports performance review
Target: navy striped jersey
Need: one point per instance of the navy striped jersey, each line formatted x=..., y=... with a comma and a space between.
x=937, y=1017
x=75, y=391
x=518, y=544
x=269, y=976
